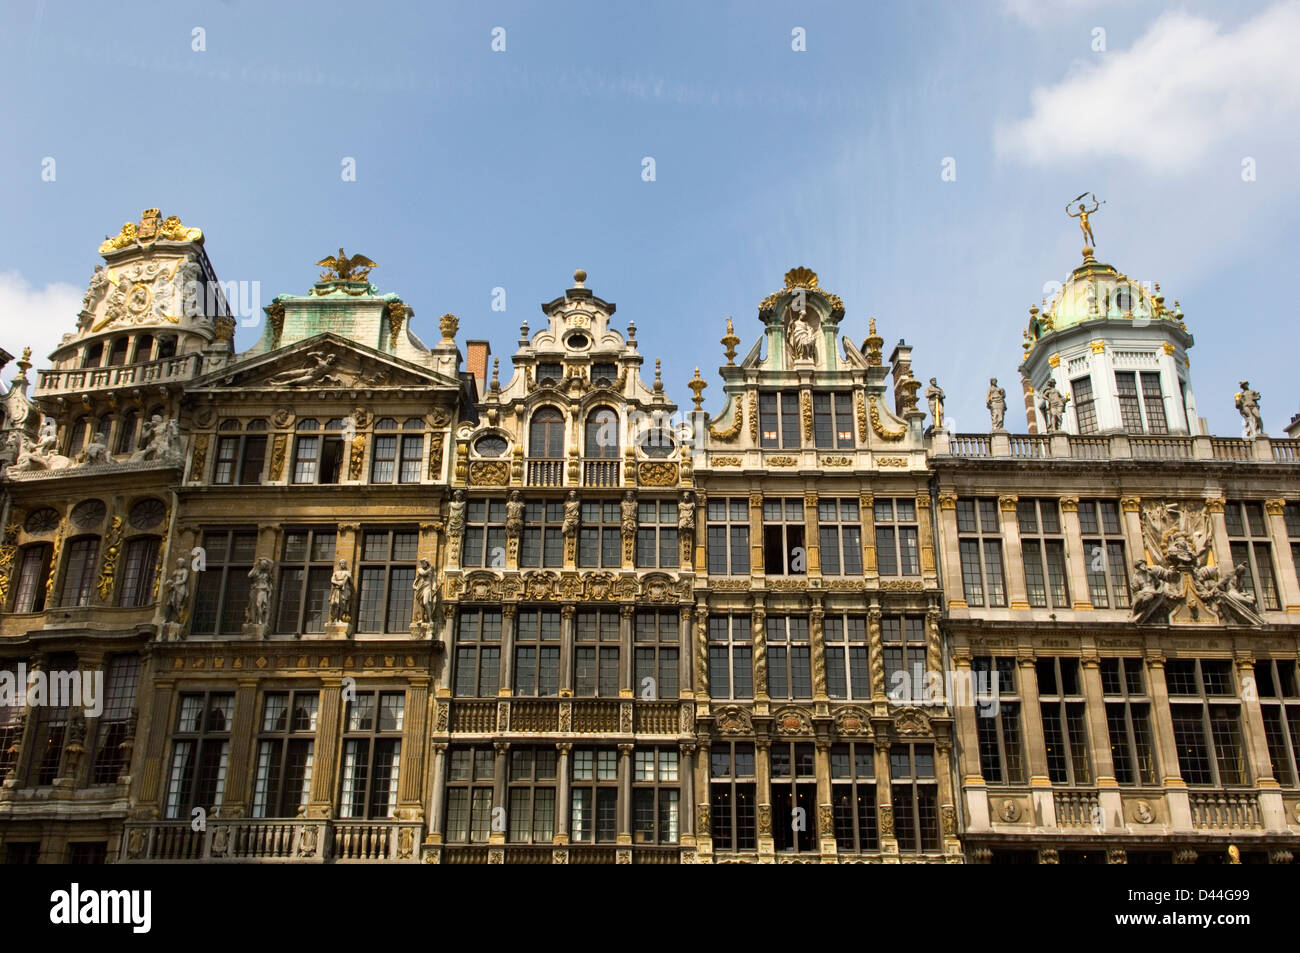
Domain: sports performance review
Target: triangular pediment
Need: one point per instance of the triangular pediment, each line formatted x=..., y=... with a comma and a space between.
x=325, y=362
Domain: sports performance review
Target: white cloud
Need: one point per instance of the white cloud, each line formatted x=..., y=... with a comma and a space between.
x=1038, y=13
x=1183, y=89
x=35, y=317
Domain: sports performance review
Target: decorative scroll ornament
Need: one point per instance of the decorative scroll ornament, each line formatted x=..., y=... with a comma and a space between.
x=730, y=432
x=152, y=227
x=879, y=428
x=112, y=547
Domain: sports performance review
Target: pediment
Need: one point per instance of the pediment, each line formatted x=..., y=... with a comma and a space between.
x=325, y=362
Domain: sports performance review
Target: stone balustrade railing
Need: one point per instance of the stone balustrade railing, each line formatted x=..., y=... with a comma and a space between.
x=1162, y=447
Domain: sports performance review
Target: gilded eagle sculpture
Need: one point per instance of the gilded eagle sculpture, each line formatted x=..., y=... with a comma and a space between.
x=342, y=268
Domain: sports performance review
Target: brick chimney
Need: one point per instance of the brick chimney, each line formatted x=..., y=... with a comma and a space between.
x=476, y=362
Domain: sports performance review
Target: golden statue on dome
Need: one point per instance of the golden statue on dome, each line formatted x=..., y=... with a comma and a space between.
x=1082, y=215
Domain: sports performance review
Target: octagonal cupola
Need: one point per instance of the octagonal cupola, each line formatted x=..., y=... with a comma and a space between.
x=1107, y=355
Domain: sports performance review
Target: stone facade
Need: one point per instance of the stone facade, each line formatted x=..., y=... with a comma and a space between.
x=357, y=600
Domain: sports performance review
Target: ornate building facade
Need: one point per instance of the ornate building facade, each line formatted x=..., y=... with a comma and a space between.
x=354, y=598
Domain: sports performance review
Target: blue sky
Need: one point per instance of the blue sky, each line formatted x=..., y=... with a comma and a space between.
x=478, y=169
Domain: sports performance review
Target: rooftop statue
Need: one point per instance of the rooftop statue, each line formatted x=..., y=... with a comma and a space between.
x=340, y=267
x=1082, y=215
x=1247, y=403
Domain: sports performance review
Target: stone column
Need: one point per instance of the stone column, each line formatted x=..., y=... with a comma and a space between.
x=867, y=512
x=1214, y=506
x=758, y=635
x=563, y=751
x=812, y=534
x=703, y=805
x=926, y=532
x=965, y=711
x=876, y=657
x=329, y=721
x=1108, y=794
x=499, y=767
x=944, y=769
x=625, y=795
x=1271, y=808
x=243, y=731
x=700, y=647
x=1076, y=558
x=567, y=614
x=756, y=535
x=1017, y=596
x=685, y=653
x=686, y=782
x=825, y=801
x=437, y=798
x=949, y=551
x=627, y=656
x=817, y=649
x=1180, y=811
x=415, y=724
x=763, y=799
x=1287, y=583
x=885, y=798
x=701, y=534
x=505, y=687
x=1040, y=782
x=1131, y=507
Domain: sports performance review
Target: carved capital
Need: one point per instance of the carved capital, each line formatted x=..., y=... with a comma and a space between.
x=1275, y=507
x=947, y=501
x=1069, y=504
x=1215, y=504
x=1008, y=501
x=1130, y=504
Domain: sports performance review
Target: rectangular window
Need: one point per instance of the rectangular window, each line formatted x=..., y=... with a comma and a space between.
x=1251, y=547
x=655, y=655
x=593, y=795
x=484, y=542
x=470, y=780
x=140, y=563
x=656, y=534
x=478, y=653
x=1130, y=409
x=11, y=718
x=833, y=420
x=531, y=794
x=897, y=535
x=1060, y=692
x=794, y=789
x=1085, y=410
x=853, y=798
x=537, y=652
x=656, y=796
x=81, y=563
x=200, y=752
x=903, y=641
x=306, y=564
x=997, y=722
x=595, y=656
x=1206, y=714
x=847, y=673
x=285, y=754
x=1103, y=553
x=1279, y=702
x=789, y=657
x=728, y=530
x=386, y=577
x=372, y=754
x=1128, y=720
x=599, y=537
x=543, y=537
x=1153, y=402
x=221, y=590
x=778, y=416
x=120, y=683
x=731, y=796
x=784, y=552
x=840, y=537
x=33, y=572
x=915, y=796
x=1043, y=548
x=731, y=671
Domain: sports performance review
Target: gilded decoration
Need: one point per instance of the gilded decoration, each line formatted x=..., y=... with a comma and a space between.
x=358, y=457
x=151, y=228
x=861, y=408
x=732, y=431
x=277, y=456
x=112, y=546
x=753, y=416
x=727, y=461
x=805, y=408
x=200, y=457
x=840, y=461
x=657, y=474
x=891, y=461
x=879, y=428
x=8, y=550
x=734, y=720
x=435, y=456
x=782, y=461
x=342, y=267
x=486, y=472
x=911, y=722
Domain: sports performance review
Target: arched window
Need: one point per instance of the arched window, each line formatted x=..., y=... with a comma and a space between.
x=138, y=563
x=166, y=347
x=385, y=423
x=33, y=569
x=658, y=442
x=143, y=349
x=126, y=432
x=601, y=441
x=117, y=355
x=94, y=355
x=80, y=562
x=78, y=435
x=104, y=430
x=546, y=434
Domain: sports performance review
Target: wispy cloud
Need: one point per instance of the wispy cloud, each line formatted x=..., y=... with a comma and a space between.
x=1185, y=88
x=36, y=317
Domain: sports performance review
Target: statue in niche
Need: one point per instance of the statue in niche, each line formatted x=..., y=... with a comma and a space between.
x=801, y=329
x=425, y=591
x=259, y=593
x=341, y=590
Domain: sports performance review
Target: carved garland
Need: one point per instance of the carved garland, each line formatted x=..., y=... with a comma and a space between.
x=200, y=457
x=862, y=417
x=8, y=550
x=731, y=432
x=277, y=456
x=435, y=456
x=879, y=428
x=753, y=416
x=54, y=567
x=805, y=408
x=358, y=456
